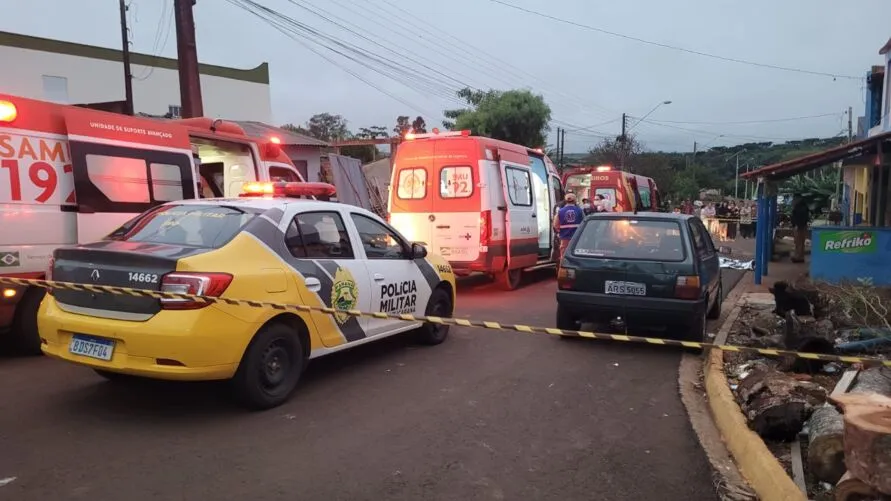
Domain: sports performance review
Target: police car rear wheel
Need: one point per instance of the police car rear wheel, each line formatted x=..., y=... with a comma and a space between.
x=270, y=368
x=439, y=305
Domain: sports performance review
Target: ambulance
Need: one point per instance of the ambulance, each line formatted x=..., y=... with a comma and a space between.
x=71, y=175
x=484, y=205
x=621, y=191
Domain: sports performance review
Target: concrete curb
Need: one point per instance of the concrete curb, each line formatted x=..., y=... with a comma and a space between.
x=757, y=464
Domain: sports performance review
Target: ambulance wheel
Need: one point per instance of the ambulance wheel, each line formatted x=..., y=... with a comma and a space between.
x=439, y=305
x=26, y=337
x=270, y=368
x=509, y=279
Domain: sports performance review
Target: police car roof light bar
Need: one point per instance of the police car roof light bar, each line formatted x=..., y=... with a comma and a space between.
x=290, y=190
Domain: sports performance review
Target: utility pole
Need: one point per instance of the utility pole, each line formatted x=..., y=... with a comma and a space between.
x=562, y=148
x=187, y=54
x=850, y=125
x=125, y=52
x=623, y=142
x=558, y=159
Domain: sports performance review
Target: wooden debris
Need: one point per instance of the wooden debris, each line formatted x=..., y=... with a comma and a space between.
x=777, y=405
x=867, y=418
x=797, y=466
x=826, y=429
x=850, y=488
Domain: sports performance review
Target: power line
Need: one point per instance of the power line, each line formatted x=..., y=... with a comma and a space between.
x=277, y=20
x=719, y=134
x=743, y=122
x=673, y=47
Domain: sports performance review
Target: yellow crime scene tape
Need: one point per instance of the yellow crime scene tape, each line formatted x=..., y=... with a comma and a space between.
x=109, y=289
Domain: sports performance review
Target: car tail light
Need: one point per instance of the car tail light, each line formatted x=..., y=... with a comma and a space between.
x=485, y=227
x=196, y=284
x=687, y=288
x=566, y=278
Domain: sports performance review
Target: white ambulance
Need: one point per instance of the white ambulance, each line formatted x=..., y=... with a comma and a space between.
x=484, y=205
x=71, y=175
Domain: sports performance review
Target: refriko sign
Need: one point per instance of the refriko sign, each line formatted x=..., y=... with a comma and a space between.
x=849, y=242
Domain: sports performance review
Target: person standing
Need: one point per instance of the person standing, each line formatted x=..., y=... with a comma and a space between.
x=801, y=215
x=745, y=219
x=567, y=221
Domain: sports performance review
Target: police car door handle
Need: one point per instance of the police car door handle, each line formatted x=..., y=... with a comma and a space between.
x=313, y=284
x=378, y=277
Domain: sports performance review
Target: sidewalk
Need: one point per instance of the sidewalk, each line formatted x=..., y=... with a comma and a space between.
x=777, y=270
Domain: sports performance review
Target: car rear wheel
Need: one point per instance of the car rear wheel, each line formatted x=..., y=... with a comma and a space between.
x=270, y=368
x=697, y=330
x=509, y=279
x=439, y=305
x=715, y=311
x=565, y=320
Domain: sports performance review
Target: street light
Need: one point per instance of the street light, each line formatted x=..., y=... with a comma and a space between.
x=649, y=113
x=736, y=180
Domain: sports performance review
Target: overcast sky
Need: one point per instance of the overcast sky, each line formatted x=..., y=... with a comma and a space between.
x=588, y=78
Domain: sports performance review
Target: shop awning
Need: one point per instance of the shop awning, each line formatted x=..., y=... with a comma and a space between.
x=789, y=168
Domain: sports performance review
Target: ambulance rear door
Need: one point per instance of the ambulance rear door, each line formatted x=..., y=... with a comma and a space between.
x=411, y=192
x=521, y=225
x=457, y=201
x=123, y=166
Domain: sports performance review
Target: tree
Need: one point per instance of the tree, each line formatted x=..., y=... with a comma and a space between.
x=609, y=152
x=373, y=132
x=295, y=128
x=404, y=124
x=327, y=127
x=516, y=116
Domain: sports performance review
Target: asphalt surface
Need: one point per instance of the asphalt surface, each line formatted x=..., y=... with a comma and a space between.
x=486, y=415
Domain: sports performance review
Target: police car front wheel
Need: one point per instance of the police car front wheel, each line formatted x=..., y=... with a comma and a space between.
x=270, y=368
x=439, y=305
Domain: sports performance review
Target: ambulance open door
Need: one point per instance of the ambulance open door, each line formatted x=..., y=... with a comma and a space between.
x=123, y=166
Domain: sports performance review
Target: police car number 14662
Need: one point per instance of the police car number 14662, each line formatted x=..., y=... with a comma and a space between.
x=145, y=278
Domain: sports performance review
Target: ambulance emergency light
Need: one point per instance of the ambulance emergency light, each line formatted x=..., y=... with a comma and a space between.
x=8, y=112
x=452, y=133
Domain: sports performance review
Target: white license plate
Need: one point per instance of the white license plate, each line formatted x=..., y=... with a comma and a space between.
x=625, y=288
x=92, y=347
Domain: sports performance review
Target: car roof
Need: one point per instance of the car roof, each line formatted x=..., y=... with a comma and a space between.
x=266, y=203
x=659, y=216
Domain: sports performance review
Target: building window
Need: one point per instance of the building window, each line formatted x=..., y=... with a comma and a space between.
x=55, y=89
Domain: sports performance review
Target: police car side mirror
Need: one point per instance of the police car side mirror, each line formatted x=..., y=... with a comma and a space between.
x=418, y=251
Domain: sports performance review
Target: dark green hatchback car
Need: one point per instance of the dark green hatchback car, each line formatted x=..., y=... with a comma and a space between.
x=647, y=270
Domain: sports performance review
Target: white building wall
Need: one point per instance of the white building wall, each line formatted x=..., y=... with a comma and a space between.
x=88, y=80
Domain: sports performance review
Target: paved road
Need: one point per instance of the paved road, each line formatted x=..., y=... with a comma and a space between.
x=487, y=415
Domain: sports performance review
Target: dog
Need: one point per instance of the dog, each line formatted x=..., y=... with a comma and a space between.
x=789, y=299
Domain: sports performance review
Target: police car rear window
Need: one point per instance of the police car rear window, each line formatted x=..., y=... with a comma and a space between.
x=630, y=238
x=206, y=226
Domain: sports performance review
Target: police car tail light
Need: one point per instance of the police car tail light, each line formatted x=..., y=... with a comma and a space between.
x=687, y=288
x=485, y=227
x=195, y=284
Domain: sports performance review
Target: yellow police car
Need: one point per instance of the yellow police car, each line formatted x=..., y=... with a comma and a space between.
x=281, y=248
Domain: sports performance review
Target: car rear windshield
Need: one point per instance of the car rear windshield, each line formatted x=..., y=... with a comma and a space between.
x=207, y=226
x=630, y=238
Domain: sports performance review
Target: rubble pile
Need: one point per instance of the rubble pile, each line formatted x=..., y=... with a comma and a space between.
x=830, y=419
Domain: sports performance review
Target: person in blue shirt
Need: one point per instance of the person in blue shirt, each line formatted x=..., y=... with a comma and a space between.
x=567, y=221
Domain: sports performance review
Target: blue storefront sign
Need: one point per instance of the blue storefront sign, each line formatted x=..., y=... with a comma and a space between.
x=851, y=254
